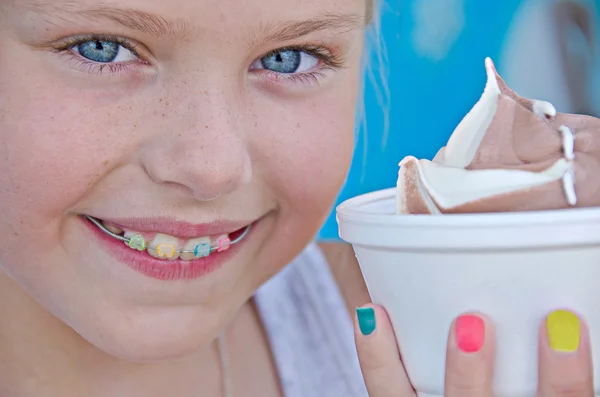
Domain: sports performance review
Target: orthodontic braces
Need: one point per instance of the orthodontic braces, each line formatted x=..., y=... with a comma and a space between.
x=137, y=242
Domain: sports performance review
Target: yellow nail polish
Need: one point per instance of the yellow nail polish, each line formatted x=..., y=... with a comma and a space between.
x=563, y=331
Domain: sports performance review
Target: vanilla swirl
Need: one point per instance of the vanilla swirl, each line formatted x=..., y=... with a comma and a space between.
x=508, y=154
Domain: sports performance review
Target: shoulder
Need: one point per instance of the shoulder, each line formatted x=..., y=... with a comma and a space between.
x=310, y=333
x=324, y=276
x=346, y=272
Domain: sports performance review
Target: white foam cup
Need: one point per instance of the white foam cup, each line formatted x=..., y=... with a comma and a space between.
x=516, y=268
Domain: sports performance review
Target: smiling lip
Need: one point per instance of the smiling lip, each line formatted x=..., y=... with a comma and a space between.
x=170, y=270
x=184, y=230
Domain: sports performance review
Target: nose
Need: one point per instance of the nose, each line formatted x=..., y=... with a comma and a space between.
x=200, y=149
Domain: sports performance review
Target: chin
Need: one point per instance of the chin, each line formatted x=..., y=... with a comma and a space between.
x=150, y=337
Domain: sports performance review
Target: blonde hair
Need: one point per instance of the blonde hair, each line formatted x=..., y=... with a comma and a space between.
x=375, y=67
x=370, y=10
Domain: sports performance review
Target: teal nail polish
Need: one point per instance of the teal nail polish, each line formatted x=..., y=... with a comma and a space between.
x=366, y=320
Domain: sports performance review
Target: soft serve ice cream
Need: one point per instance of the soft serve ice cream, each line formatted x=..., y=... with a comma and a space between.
x=508, y=154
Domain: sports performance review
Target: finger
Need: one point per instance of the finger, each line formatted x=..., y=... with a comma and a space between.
x=470, y=357
x=565, y=362
x=378, y=354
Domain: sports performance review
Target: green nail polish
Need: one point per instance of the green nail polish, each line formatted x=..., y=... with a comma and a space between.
x=366, y=320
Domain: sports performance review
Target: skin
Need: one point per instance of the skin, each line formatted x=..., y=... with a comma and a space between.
x=188, y=132
x=346, y=271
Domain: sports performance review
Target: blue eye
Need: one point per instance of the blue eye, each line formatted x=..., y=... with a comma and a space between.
x=287, y=62
x=282, y=61
x=103, y=51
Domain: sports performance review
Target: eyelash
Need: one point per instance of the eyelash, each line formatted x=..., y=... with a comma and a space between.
x=328, y=60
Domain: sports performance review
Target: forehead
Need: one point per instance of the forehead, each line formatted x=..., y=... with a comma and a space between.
x=198, y=15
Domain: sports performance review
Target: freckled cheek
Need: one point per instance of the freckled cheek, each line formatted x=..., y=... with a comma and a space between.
x=309, y=153
x=53, y=151
x=303, y=155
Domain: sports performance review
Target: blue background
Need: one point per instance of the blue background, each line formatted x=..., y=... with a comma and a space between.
x=425, y=104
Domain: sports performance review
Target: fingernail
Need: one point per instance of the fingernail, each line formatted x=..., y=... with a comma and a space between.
x=563, y=331
x=366, y=320
x=470, y=333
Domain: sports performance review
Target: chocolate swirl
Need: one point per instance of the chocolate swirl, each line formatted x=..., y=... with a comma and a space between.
x=508, y=154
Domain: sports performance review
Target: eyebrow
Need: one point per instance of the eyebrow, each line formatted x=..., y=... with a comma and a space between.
x=145, y=22
x=292, y=30
x=133, y=19
x=156, y=25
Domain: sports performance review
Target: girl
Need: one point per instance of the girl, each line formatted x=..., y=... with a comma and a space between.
x=161, y=163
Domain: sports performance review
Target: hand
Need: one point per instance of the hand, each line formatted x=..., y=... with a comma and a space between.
x=470, y=373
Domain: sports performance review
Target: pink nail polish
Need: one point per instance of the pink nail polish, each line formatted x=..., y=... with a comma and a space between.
x=470, y=333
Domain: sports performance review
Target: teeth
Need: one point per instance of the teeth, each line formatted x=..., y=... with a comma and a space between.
x=112, y=229
x=200, y=248
x=164, y=247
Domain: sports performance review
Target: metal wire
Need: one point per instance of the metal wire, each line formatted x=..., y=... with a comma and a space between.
x=126, y=240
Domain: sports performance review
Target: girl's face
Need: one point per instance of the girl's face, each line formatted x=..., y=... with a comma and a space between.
x=190, y=119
